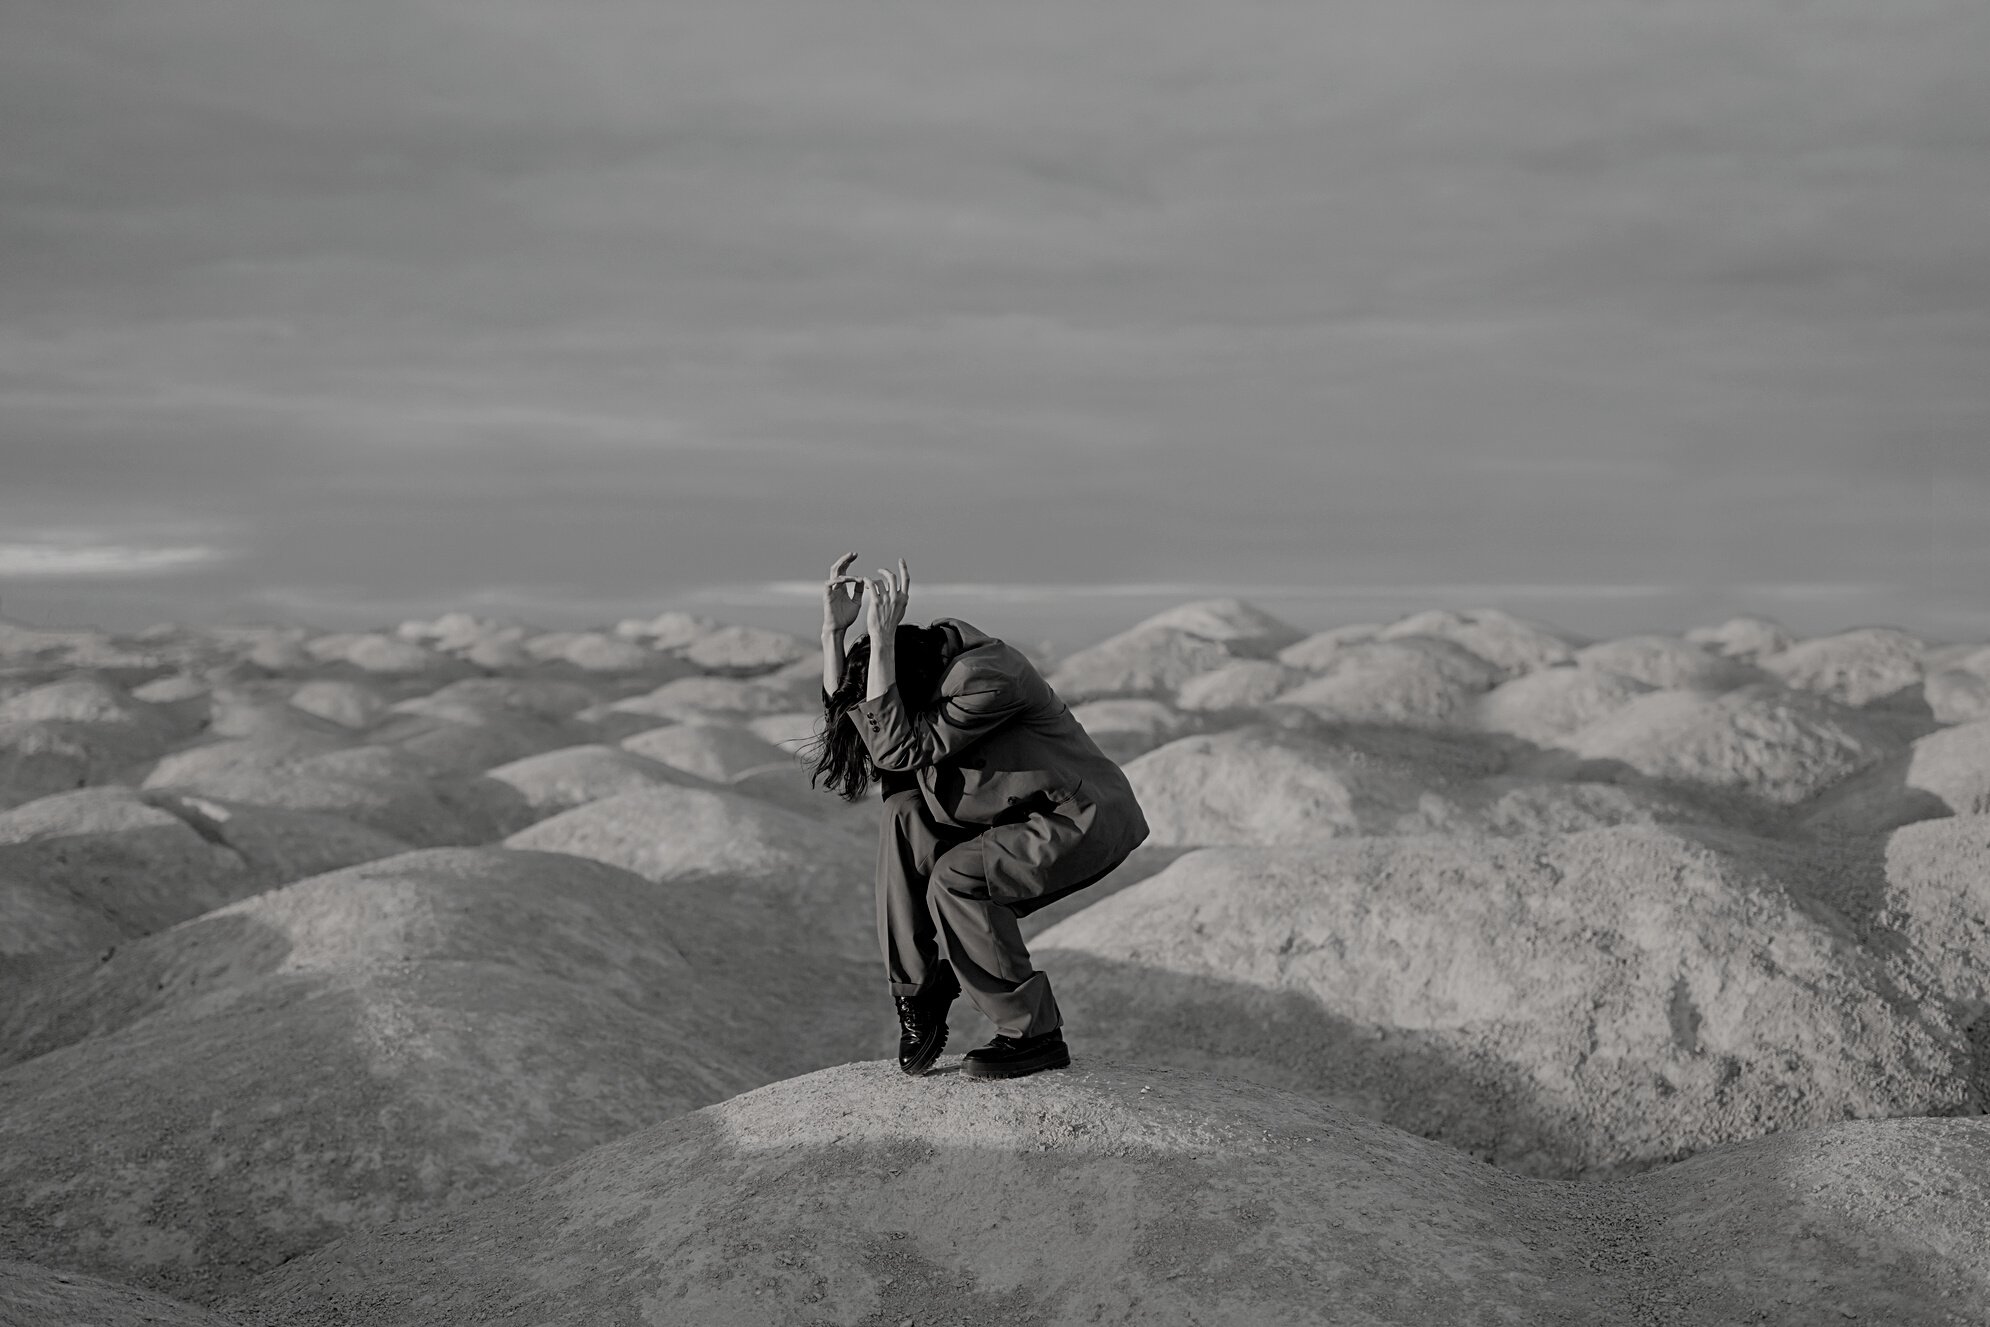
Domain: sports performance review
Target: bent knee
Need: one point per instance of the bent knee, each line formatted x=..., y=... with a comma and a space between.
x=959, y=872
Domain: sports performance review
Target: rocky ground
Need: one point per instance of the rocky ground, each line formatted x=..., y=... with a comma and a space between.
x=1473, y=972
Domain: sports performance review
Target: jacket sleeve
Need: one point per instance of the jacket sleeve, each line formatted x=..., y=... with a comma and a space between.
x=980, y=701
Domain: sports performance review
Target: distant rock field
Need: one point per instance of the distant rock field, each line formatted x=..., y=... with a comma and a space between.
x=1473, y=972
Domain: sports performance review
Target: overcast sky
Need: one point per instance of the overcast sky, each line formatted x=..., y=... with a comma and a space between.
x=1607, y=310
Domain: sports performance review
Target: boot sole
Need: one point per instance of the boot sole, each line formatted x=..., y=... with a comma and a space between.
x=1057, y=1059
x=917, y=1068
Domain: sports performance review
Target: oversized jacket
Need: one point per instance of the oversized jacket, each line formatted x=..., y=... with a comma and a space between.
x=999, y=755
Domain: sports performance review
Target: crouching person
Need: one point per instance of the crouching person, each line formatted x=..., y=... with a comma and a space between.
x=996, y=803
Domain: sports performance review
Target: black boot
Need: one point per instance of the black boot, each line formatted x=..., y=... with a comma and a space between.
x=1013, y=1057
x=922, y=1021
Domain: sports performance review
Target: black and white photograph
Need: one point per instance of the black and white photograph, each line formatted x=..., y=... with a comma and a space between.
x=857, y=663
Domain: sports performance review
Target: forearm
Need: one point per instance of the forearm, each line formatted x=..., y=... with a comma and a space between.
x=832, y=660
x=884, y=667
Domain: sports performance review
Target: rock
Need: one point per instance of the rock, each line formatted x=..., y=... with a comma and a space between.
x=1558, y=1004
x=1244, y=685
x=40, y=922
x=379, y=787
x=497, y=656
x=256, y=715
x=1873, y=666
x=1243, y=628
x=34, y=1296
x=387, y=656
x=456, y=632
x=107, y=852
x=1513, y=645
x=279, y=846
x=1124, y=729
x=85, y=700
x=669, y=631
x=467, y=748
x=605, y=723
x=477, y=699
x=40, y=759
x=1419, y=680
x=383, y=1041
x=1773, y=1231
x=170, y=690
x=709, y=697
x=1544, y=706
x=1934, y=891
x=1956, y=695
x=1668, y=662
x=347, y=704
x=1774, y=747
x=19, y=641
x=791, y=786
x=285, y=657
x=719, y=752
x=331, y=647
x=820, y=873
x=1119, y=1191
x=790, y=731
x=1317, y=652
x=745, y=651
x=1944, y=773
x=572, y=776
x=1261, y=784
x=1149, y=661
x=1972, y=659
x=595, y=652
x=1745, y=638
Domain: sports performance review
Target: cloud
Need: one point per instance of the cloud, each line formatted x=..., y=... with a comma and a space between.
x=103, y=561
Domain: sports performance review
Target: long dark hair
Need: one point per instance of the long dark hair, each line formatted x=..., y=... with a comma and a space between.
x=842, y=761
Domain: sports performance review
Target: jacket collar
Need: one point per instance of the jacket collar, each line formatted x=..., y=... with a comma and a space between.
x=961, y=636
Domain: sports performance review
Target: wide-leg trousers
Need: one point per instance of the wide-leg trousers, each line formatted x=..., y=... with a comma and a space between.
x=933, y=907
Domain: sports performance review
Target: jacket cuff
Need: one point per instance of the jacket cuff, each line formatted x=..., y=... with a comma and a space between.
x=882, y=724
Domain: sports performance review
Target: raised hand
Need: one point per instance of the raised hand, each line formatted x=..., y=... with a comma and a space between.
x=841, y=597
x=884, y=604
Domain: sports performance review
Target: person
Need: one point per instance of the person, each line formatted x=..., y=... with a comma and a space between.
x=996, y=803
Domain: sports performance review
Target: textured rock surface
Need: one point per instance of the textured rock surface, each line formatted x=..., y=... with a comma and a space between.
x=1559, y=1004
x=347, y=704
x=1513, y=645
x=1543, y=706
x=108, y=852
x=720, y=752
x=1124, y=729
x=1570, y=920
x=1944, y=773
x=1244, y=628
x=32, y=1296
x=1244, y=685
x=1150, y=661
x=380, y=1041
x=709, y=697
x=1869, y=666
x=820, y=872
x=573, y=776
x=1769, y=745
x=1317, y=651
x=1418, y=680
x=1668, y=662
x=1956, y=695
x=1124, y=1192
x=1746, y=638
